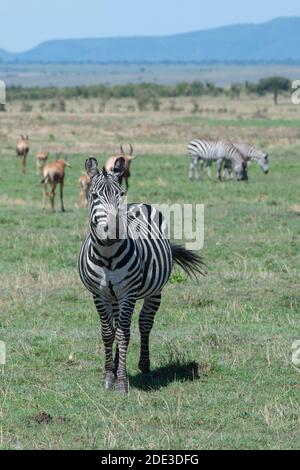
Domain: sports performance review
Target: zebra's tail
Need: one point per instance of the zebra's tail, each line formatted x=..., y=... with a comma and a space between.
x=188, y=260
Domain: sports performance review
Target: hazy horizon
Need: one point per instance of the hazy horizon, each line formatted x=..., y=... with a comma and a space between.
x=31, y=23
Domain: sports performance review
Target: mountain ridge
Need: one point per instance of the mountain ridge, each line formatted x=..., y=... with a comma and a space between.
x=275, y=40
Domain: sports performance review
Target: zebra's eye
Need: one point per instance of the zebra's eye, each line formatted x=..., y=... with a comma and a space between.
x=122, y=193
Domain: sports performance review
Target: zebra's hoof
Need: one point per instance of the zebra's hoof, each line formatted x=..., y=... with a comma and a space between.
x=122, y=386
x=108, y=380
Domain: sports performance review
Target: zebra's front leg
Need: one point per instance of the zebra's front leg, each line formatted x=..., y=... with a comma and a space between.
x=108, y=336
x=146, y=319
x=122, y=337
x=115, y=311
x=219, y=169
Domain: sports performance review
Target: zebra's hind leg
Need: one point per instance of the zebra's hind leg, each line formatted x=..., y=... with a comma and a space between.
x=146, y=319
x=193, y=170
x=108, y=336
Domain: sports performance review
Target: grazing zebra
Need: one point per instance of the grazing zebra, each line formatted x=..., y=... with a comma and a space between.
x=219, y=151
x=126, y=256
x=249, y=153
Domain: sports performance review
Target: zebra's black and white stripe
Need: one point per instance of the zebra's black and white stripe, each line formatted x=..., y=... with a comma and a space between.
x=220, y=151
x=126, y=256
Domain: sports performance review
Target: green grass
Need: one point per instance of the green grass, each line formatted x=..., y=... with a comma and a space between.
x=221, y=348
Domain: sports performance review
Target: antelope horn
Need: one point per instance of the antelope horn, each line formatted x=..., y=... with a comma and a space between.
x=131, y=150
x=122, y=150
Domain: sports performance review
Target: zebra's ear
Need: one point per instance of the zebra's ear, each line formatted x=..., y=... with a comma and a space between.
x=91, y=166
x=119, y=167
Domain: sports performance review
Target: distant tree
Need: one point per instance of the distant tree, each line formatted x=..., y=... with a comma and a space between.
x=61, y=105
x=274, y=85
x=235, y=90
x=196, y=88
x=155, y=103
x=181, y=89
x=143, y=97
x=250, y=87
x=212, y=89
x=146, y=95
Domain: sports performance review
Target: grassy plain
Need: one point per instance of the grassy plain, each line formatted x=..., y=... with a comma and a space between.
x=221, y=348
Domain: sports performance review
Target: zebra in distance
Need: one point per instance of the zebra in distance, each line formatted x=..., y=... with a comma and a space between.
x=126, y=257
x=250, y=153
x=219, y=151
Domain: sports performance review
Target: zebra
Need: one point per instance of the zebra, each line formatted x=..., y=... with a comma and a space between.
x=250, y=153
x=126, y=256
x=219, y=151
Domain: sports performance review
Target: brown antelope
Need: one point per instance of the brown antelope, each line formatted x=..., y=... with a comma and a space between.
x=41, y=158
x=84, y=183
x=22, y=150
x=54, y=174
x=109, y=165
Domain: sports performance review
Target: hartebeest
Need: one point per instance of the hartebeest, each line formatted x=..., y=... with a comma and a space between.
x=84, y=183
x=41, y=159
x=110, y=164
x=54, y=174
x=22, y=150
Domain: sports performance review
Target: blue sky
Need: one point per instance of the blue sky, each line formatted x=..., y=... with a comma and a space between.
x=24, y=24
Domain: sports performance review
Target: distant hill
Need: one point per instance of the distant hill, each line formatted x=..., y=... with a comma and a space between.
x=5, y=56
x=276, y=40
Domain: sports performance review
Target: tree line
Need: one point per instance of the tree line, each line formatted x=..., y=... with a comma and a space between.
x=149, y=93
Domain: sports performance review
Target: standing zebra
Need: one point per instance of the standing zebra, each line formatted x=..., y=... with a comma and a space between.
x=219, y=151
x=126, y=256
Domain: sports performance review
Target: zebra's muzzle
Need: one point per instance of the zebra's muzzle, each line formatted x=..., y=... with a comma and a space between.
x=111, y=231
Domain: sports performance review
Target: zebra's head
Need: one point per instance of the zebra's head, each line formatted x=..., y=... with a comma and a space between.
x=106, y=201
x=263, y=162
